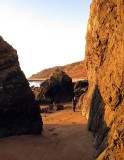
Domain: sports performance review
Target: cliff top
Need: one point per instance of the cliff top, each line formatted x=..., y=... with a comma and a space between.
x=75, y=70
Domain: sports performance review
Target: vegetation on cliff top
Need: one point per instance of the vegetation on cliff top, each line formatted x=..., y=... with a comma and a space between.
x=74, y=70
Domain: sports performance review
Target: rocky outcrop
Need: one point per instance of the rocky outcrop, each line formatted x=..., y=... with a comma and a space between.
x=58, y=88
x=80, y=87
x=103, y=104
x=19, y=112
x=51, y=108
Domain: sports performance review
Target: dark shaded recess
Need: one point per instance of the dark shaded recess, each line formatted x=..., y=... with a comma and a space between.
x=96, y=122
x=80, y=88
x=81, y=84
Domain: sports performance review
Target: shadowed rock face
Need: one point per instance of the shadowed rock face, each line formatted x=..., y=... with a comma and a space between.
x=19, y=112
x=80, y=87
x=58, y=88
x=103, y=104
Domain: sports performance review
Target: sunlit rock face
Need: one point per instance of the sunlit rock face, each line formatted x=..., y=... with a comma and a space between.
x=103, y=104
x=19, y=112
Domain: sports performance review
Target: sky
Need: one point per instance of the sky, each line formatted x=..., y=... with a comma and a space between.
x=45, y=33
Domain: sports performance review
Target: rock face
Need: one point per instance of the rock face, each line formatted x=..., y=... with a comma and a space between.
x=58, y=88
x=19, y=112
x=80, y=87
x=103, y=104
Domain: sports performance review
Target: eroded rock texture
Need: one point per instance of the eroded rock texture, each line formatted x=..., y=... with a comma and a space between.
x=103, y=104
x=59, y=88
x=19, y=112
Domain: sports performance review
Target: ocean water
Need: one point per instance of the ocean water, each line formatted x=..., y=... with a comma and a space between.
x=35, y=83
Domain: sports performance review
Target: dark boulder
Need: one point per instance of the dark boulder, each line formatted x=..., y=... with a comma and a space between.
x=51, y=108
x=58, y=107
x=80, y=87
x=58, y=88
x=46, y=110
x=19, y=112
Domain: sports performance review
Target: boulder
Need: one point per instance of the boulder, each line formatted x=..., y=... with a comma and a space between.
x=58, y=88
x=80, y=88
x=58, y=107
x=19, y=112
x=51, y=107
x=46, y=110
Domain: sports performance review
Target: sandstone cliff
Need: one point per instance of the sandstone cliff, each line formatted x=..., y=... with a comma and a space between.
x=19, y=112
x=103, y=104
x=74, y=70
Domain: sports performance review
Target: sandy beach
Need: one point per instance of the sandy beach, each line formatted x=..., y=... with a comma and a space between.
x=64, y=137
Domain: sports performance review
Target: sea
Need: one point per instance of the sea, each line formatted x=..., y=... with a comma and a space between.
x=35, y=83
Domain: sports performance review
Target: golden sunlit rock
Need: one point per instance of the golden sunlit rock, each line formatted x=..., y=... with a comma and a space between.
x=104, y=104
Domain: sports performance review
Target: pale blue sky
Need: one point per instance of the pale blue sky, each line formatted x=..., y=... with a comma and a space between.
x=46, y=33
